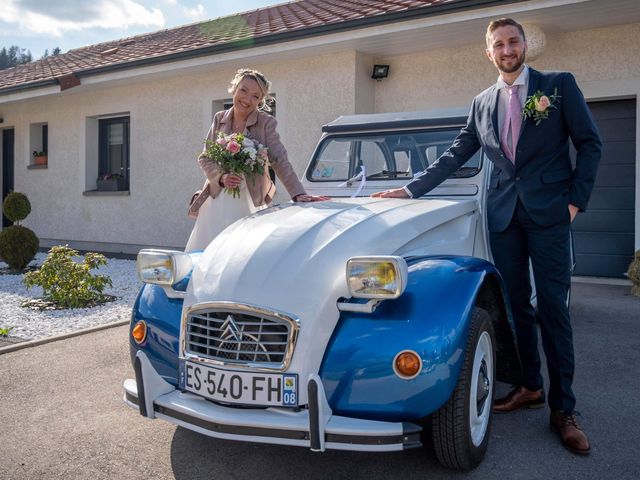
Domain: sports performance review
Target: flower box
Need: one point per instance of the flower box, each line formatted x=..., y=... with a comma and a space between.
x=40, y=160
x=111, y=185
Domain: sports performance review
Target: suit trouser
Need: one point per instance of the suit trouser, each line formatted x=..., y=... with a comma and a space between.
x=549, y=250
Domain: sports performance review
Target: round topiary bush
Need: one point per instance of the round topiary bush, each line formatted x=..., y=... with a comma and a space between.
x=16, y=206
x=634, y=274
x=18, y=246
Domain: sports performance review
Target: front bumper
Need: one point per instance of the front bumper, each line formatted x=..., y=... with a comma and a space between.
x=314, y=427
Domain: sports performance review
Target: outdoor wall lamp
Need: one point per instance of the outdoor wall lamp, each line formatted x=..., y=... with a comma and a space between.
x=380, y=72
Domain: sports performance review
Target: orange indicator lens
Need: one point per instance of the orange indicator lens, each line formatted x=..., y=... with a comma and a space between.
x=407, y=364
x=139, y=332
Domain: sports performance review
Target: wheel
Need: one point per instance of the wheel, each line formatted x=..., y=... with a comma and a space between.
x=460, y=428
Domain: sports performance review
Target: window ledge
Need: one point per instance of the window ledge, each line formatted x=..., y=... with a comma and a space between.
x=103, y=193
x=37, y=167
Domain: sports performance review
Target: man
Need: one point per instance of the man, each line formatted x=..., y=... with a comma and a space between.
x=534, y=195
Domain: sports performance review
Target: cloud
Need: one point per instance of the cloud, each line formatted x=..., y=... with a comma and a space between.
x=196, y=12
x=56, y=18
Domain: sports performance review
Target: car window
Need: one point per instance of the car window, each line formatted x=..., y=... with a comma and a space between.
x=395, y=155
x=333, y=160
x=371, y=155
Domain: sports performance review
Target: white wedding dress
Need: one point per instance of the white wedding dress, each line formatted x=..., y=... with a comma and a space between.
x=216, y=214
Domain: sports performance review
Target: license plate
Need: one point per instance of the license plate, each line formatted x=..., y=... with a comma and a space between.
x=239, y=387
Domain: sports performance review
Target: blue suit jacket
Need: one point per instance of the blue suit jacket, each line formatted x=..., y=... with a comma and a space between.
x=542, y=177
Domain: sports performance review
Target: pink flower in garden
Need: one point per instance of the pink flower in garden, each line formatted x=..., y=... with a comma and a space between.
x=233, y=147
x=542, y=103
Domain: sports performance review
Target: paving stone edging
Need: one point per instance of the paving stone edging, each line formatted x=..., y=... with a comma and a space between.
x=62, y=336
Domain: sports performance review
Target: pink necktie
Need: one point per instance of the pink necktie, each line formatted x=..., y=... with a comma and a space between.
x=512, y=124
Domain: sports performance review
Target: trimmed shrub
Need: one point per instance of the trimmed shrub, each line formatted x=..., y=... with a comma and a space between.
x=18, y=246
x=634, y=274
x=67, y=283
x=16, y=206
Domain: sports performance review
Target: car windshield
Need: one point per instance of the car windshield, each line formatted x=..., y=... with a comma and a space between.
x=397, y=155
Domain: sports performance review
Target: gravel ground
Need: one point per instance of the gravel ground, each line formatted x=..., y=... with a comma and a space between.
x=29, y=324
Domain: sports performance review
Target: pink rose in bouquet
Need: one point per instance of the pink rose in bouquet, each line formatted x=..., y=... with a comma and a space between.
x=233, y=147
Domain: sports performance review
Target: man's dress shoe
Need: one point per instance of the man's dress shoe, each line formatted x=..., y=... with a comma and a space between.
x=519, y=398
x=573, y=438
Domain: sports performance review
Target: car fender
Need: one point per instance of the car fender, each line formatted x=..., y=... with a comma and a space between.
x=162, y=316
x=431, y=318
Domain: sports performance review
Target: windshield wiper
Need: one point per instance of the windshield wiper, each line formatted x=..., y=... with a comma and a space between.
x=386, y=173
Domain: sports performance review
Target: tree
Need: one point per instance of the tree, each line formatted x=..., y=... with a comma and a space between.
x=14, y=56
x=54, y=52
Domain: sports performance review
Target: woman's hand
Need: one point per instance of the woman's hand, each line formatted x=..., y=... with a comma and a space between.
x=230, y=180
x=303, y=197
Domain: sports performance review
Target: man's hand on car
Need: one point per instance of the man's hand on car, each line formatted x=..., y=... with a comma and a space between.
x=394, y=193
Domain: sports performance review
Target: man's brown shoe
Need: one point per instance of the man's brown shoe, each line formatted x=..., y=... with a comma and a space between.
x=573, y=438
x=519, y=398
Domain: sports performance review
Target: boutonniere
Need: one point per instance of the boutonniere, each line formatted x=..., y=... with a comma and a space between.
x=538, y=105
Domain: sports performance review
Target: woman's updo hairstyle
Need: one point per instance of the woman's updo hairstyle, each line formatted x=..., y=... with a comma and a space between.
x=261, y=80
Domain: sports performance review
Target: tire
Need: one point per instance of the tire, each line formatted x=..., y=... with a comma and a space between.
x=461, y=427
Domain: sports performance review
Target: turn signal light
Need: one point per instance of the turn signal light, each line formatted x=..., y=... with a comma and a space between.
x=407, y=364
x=139, y=332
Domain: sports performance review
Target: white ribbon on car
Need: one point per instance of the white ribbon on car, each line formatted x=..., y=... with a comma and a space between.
x=363, y=182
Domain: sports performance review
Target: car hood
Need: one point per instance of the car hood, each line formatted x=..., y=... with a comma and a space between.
x=292, y=258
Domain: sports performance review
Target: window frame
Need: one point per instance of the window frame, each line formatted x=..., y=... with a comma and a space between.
x=103, y=147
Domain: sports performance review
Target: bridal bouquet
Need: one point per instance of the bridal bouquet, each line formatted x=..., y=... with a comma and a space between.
x=238, y=154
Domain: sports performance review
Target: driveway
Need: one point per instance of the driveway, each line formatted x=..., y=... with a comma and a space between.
x=62, y=416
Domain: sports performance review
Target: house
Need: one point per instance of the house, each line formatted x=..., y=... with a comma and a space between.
x=141, y=106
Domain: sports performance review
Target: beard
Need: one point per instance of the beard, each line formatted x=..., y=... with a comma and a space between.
x=510, y=69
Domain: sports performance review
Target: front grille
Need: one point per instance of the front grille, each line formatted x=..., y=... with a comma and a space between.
x=240, y=337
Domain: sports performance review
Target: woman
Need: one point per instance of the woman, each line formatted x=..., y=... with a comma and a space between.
x=215, y=210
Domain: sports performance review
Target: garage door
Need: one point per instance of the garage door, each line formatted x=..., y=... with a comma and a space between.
x=604, y=235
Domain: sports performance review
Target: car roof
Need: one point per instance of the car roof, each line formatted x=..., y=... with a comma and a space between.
x=397, y=120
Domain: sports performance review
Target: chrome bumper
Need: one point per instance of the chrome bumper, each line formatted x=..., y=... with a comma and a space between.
x=315, y=428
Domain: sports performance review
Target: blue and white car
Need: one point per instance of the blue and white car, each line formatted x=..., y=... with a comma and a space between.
x=353, y=324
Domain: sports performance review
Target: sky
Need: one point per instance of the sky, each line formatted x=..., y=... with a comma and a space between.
x=39, y=25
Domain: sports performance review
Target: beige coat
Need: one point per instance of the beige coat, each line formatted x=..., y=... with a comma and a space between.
x=262, y=128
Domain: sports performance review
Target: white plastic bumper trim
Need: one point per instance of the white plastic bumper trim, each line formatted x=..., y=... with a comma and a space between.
x=282, y=426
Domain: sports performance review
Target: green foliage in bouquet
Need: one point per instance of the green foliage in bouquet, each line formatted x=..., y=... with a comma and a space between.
x=67, y=283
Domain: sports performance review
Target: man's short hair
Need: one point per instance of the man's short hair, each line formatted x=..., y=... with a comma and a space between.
x=503, y=22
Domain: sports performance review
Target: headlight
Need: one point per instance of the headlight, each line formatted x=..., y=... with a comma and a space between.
x=163, y=267
x=377, y=276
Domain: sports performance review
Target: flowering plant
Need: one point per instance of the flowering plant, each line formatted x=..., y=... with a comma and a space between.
x=538, y=105
x=238, y=154
x=110, y=176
